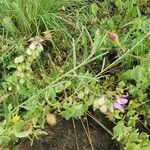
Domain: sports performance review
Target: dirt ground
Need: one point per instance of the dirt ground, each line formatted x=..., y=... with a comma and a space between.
x=81, y=134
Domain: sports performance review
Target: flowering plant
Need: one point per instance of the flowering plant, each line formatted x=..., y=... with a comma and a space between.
x=120, y=103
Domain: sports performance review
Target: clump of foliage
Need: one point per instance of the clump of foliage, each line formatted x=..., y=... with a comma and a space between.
x=62, y=57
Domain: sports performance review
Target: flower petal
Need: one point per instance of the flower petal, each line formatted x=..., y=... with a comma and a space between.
x=124, y=96
x=118, y=106
x=122, y=101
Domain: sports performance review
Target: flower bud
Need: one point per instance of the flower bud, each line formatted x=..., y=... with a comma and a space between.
x=113, y=37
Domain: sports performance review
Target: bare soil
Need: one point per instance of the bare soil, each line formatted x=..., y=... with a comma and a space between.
x=81, y=134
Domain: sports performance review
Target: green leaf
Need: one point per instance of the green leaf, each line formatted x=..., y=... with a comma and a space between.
x=81, y=95
x=116, y=115
x=118, y=3
x=19, y=125
x=121, y=84
x=22, y=134
x=50, y=94
x=1, y=130
x=132, y=146
x=133, y=136
x=133, y=104
x=74, y=111
x=62, y=86
x=94, y=8
x=131, y=113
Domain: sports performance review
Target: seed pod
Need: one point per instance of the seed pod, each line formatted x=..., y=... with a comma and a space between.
x=51, y=119
x=113, y=37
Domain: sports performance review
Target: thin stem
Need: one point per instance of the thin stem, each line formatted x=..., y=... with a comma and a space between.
x=74, y=126
x=99, y=123
x=87, y=135
x=123, y=56
x=59, y=78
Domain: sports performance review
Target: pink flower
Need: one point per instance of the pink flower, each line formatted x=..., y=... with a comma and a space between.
x=120, y=103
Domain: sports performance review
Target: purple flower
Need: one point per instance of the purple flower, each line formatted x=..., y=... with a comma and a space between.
x=119, y=106
x=120, y=103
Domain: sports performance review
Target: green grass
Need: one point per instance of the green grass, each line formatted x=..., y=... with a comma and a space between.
x=74, y=66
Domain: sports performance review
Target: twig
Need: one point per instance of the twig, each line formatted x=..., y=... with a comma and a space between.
x=99, y=123
x=88, y=129
x=87, y=135
x=74, y=126
x=143, y=124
